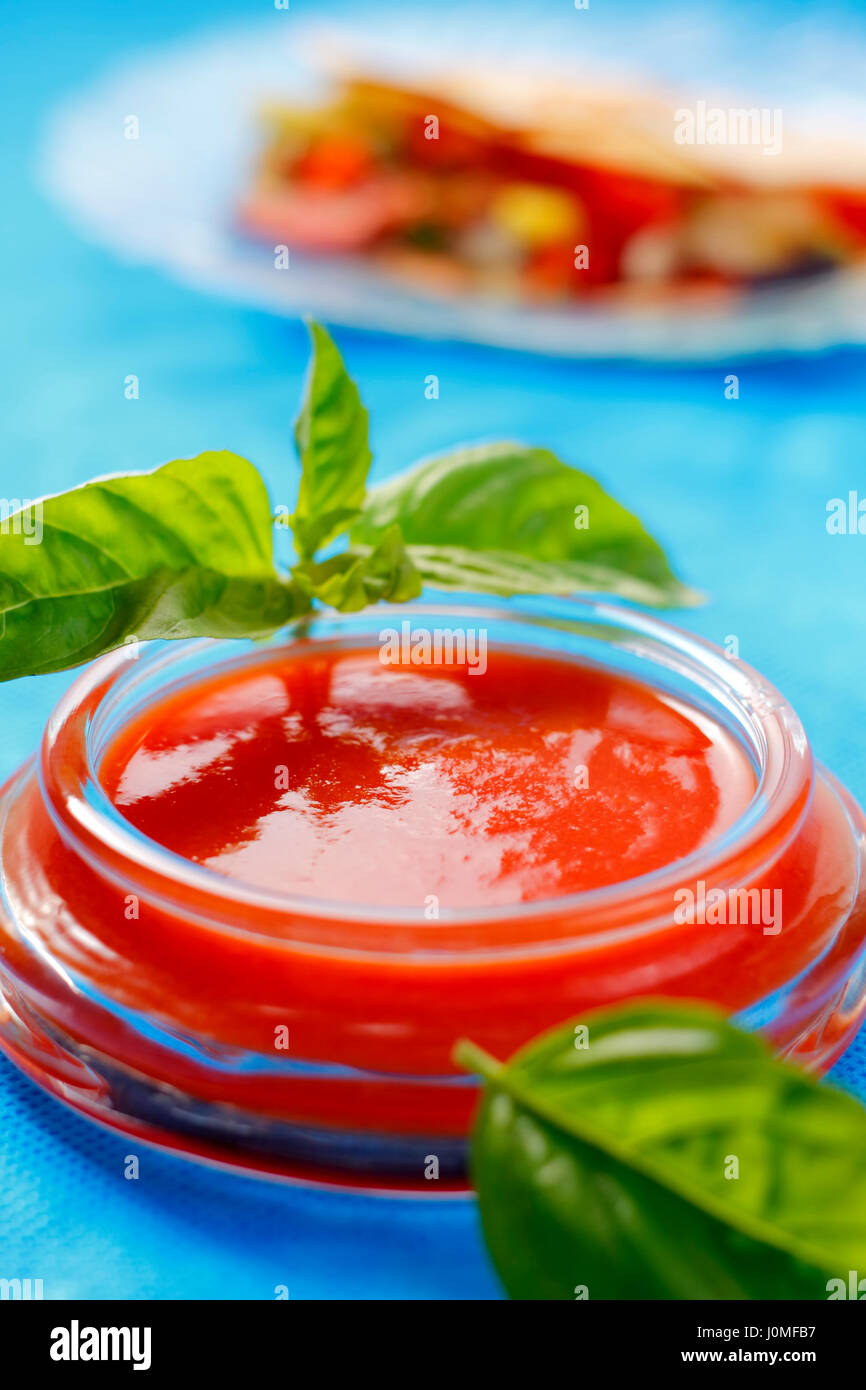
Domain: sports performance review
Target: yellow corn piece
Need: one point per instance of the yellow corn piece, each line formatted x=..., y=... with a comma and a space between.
x=534, y=215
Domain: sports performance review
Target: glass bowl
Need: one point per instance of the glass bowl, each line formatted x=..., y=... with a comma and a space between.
x=147, y=991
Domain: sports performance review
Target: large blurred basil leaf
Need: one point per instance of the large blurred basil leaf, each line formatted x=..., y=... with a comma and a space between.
x=520, y=505
x=184, y=551
x=604, y=1168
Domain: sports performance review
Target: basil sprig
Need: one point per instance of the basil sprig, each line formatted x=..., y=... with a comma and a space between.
x=655, y=1151
x=187, y=550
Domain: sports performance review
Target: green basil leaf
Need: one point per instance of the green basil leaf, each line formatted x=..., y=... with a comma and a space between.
x=357, y=577
x=521, y=501
x=331, y=437
x=503, y=572
x=184, y=551
x=604, y=1167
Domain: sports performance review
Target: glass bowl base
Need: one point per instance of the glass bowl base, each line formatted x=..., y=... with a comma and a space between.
x=227, y=1138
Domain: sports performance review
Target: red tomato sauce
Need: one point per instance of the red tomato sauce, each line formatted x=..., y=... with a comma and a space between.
x=337, y=777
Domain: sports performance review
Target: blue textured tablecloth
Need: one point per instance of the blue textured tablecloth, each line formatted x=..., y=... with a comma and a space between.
x=735, y=489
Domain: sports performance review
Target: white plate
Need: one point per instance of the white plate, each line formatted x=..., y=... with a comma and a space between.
x=167, y=198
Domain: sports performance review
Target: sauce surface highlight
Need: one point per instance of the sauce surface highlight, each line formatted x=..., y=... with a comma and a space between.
x=334, y=776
